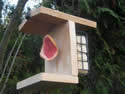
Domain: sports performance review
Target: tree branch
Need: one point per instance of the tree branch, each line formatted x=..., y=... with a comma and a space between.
x=1, y=7
x=10, y=29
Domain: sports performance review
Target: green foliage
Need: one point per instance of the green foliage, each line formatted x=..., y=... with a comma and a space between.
x=106, y=47
x=1, y=7
x=28, y=62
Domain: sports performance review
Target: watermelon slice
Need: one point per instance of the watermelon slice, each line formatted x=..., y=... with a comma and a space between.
x=49, y=49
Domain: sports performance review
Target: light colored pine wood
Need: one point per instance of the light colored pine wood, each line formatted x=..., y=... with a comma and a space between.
x=66, y=61
x=63, y=16
x=34, y=26
x=73, y=47
x=43, y=19
x=63, y=69
x=42, y=79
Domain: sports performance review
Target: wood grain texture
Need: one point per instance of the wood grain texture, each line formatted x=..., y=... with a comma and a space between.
x=41, y=80
x=35, y=26
x=73, y=48
x=63, y=16
x=43, y=19
x=62, y=63
x=66, y=61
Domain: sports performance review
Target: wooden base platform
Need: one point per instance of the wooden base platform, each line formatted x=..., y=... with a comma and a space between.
x=46, y=81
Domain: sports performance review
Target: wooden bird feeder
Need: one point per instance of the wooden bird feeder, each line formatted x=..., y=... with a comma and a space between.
x=73, y=55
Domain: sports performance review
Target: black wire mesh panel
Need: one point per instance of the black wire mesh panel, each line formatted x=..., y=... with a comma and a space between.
x=82, y=51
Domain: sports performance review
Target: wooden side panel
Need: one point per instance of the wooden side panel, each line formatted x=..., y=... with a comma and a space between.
x=63, y=63
x=72, y=31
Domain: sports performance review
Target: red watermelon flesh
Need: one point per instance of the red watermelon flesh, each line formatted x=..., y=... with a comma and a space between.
x=49, y=49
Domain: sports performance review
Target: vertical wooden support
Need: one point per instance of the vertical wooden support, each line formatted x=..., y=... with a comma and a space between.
x=73, y=53
x=66, y=61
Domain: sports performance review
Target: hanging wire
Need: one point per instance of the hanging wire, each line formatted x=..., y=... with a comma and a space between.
x=10, y=69
x=9, y=56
